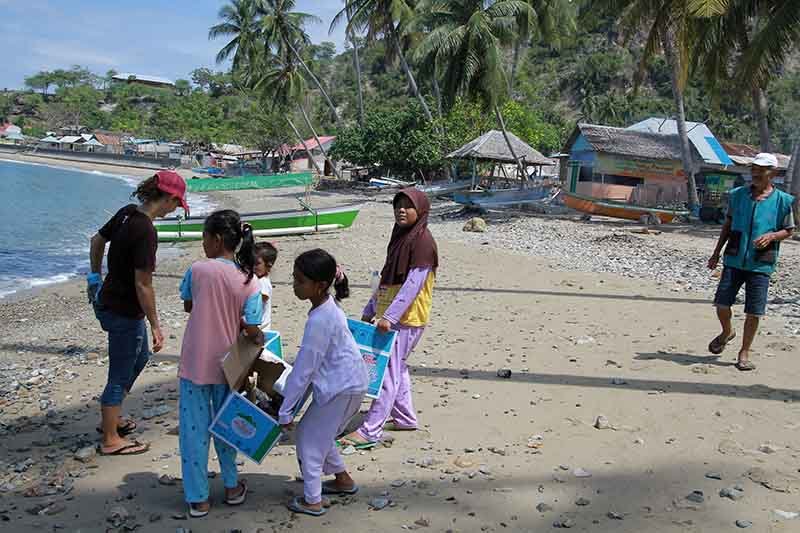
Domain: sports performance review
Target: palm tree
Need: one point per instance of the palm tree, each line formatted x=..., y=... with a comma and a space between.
x=386, y=19
x=466, y=46
x=671, y=29
x=239, y=21
x=283, y=30
x=356, y=63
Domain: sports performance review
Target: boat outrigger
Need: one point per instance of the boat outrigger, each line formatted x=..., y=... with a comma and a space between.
x=278, y=181
x=266, y=224
x=610, y=208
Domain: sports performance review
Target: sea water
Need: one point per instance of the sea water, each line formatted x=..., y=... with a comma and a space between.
x=47, y=217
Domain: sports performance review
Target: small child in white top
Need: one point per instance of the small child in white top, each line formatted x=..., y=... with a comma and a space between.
x=266, y=255
x=329, y=362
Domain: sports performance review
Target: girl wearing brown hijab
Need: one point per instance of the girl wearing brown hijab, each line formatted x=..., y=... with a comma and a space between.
x=403, y=304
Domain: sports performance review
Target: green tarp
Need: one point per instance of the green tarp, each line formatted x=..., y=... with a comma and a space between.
x=249, y=182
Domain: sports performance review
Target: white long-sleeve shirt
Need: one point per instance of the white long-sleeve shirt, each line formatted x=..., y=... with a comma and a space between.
x=329, y=361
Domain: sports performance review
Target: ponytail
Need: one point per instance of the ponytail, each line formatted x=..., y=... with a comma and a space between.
x=246, y=256
x=341, y=287
x=228, y=225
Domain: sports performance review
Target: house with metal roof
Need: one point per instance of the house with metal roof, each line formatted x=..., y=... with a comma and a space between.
x=152, y=81
x=703, y=140
x=626, y=165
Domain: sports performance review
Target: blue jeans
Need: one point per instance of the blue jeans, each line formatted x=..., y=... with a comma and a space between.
x=199, y=404
x=756, y=287
x=128, y=353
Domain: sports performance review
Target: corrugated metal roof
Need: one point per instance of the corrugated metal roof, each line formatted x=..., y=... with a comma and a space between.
x=312, y=143
x=71, y=139
x=743, y=155
x=700, y=136
x=127, y=76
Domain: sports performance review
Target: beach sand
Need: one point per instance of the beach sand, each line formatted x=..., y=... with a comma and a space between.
x=493, y=454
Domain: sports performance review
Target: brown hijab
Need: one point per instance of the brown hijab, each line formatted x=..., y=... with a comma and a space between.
x=412, y=247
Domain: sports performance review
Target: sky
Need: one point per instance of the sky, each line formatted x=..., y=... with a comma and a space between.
x=153, y=37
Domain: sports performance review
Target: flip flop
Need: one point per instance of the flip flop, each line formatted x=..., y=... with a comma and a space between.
x=197, y=513
x=296, y=506
x=717, y=346
x=238, y=500
x=329, y=487
x=744, y=366
x=344, y=442
x=122, y=451
x=393, y=426
x=124, y=430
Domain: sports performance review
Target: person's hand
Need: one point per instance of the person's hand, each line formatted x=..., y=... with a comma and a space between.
x=289, y=426
x=158, y=339
x=383, y=325
x=713, y=261
x=258, y=338
x=93, y=284
x=367, y=319
x=764, y=241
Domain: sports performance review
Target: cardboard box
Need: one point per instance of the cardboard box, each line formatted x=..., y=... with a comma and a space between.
x=376, y=349
x=247, y=428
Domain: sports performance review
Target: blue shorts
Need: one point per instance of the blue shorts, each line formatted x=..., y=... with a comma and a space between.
x=756, y=287
x=128, y=353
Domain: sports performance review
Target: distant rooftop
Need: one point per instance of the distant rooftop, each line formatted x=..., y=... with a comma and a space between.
x=154, y=80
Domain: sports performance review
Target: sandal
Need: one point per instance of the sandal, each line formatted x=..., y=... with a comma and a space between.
x=330, y=488
x=717, y=346
x=238, y=500
x=125, y=450
x=391, y=425
x=194, y=512
x=344, y=442
x=745, y=366
x=296, y=505
x=124, y=430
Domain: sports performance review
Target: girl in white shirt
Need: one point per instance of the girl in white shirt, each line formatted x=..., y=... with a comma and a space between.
x=329, y=362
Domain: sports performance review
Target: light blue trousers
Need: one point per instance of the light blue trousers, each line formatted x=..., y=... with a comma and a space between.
x=199, y=405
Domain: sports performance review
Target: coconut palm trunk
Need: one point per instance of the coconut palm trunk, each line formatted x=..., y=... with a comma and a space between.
x=357, y=65
x=514, y=65
x=411, y=81
x=502, y=124
x=761, y=109
x=316, y=138
x=314, y=79
x=677, y=92
x=305, y=146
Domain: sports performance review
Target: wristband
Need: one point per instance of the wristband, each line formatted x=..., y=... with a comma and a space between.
x=93, y=278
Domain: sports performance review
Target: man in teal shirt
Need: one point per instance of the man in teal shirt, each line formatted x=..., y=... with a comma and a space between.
x=759, y=218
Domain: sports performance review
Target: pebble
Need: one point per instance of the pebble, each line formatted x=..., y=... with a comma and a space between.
x=86, y=454
x=376, y=504
x=581, y=473
x=348, y=450
x=767, y=448
x=696, y=496
x=158, y=410
x=565, y=523
x=397, y=483
x=743, y=524
x=504, y=373
x=544, y=508
x=615, y=516
x=714, y=475
x=422, y=522
x=732, y=493
x=601, y=422
x=582, y=502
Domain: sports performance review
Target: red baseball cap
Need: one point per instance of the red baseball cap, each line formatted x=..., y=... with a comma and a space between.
x=172, y=183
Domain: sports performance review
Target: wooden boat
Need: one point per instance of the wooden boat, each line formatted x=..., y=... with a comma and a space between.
x=610, y=208
x=389, y=183
x=502, y=197
x=211, y=171
x=267, y=224
x=445, y=188
x=279, y=181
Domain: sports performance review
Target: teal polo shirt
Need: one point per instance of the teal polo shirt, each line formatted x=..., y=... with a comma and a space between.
x=750, y=220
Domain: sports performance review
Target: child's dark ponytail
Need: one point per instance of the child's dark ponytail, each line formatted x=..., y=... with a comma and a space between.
x=228, y=225
x=246, y=256
x=319, y=265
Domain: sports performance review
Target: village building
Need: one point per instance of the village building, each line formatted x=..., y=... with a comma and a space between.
x=142, y=79
x=301, y=161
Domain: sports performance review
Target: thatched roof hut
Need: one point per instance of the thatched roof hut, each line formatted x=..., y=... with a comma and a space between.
x=627, y=143
x=492, y=146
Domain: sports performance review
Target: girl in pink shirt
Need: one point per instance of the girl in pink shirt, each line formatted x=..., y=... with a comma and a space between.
x=218, y=292
x=329, y=362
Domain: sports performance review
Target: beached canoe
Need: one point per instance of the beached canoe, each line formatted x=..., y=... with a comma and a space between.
x=268, y=224
x=445, y=188
x=279, y=181
x=609, y=208
x=211, y=171
x=501, y=197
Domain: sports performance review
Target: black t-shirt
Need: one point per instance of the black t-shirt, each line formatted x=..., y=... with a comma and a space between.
x=133, y=247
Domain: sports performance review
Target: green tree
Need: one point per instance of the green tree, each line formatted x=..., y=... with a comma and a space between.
x=42, y=81
x=183, y=87
x=240, y=22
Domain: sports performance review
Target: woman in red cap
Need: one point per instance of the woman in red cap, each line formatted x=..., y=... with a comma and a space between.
x=127, y=296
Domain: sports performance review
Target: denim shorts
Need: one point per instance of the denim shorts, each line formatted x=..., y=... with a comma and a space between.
x=128, y=353
x=756, y=287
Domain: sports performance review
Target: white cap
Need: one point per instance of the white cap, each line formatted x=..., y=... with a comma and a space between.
x=765, y=160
